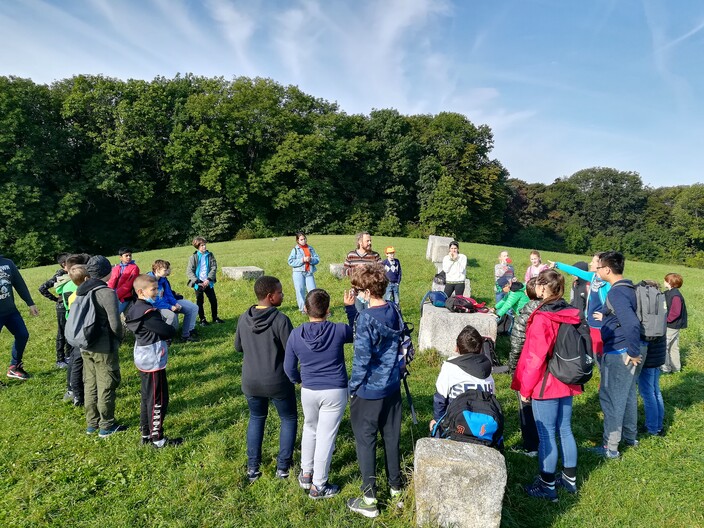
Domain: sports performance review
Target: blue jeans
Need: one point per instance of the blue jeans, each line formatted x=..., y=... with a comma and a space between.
x=649, y=388
x=551, y=416
x=391, y=293
x=15, y=324
x=258, y=411
x=303, y=282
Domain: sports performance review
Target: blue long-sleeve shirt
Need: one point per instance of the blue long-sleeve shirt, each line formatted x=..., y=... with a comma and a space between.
x=598, y=290
x=621, y=327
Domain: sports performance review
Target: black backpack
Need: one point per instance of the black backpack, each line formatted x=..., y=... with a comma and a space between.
x=406, y=350
x=489, y=350
x=460, y=305
x=475, y=417
x=572, y=359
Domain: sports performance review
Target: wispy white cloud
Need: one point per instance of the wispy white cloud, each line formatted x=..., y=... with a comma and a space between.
x=238, y=27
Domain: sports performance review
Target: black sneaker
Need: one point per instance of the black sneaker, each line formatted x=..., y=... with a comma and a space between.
x=193, y=333
x=145, y=441
x=61, y=364
x=167, y=442
x=217, y=320
x=324, y=492
x=188, y=339
x=68, y=396
x=203, y=322
x=253, y=474
x=282, y=473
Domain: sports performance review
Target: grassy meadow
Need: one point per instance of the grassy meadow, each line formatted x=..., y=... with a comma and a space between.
x=53, y=474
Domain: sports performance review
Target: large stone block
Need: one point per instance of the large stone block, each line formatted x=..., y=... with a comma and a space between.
x=337, y=270
x=437, y=248
x=441, y=287
x=242, y=272
x=458, y=484
x=439, y=327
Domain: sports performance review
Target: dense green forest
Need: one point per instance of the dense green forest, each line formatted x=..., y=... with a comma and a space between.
x=92, y=163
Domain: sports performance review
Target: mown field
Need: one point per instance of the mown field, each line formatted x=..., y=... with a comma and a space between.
x=53, y=474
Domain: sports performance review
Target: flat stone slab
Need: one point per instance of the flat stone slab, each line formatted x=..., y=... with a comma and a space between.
x=458, y=484
x=242, y=272
x=439, y=328
x=437, y=248
x=337, y=270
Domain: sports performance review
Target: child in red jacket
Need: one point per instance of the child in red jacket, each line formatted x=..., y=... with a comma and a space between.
x=122, y=278
x=551, y=399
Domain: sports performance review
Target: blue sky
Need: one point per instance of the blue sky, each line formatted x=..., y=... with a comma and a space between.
x=564, y=84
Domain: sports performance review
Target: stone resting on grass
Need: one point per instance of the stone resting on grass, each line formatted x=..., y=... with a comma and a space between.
x=439, y=327
x=337, y=270
x=437, y=249
x=242, y=272
x=458, y=484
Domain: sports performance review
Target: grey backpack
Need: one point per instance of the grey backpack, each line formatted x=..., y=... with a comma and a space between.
x=82, y=328
x=651, y=310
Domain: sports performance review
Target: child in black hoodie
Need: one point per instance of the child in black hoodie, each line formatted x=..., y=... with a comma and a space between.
x=262, y=333
x=151, y=353
x=469, y=369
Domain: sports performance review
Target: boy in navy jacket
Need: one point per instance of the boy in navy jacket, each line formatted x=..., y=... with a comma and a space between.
x=375, y=386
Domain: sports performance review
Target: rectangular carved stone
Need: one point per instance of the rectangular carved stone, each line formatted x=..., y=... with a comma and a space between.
x=437, y=248
x=242, y=272
x=439, y=328
x=458, y=484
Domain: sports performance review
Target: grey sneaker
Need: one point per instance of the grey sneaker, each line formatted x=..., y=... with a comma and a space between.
x=282, y=473
x=605, y=452
x=305, y=480
x=324, y=492
x=364, y=506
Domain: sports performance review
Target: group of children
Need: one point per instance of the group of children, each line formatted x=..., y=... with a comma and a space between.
x=150, y=309
x=277, y=356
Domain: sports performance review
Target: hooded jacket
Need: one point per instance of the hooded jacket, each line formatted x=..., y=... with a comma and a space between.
x=192, y=271
x=262, y=334
x=598, y=290
x=518, y=333
x=165, y=297
x=515, y=300
x=122, y=278
x=106, y=314
x=375, y=368
x=541, y=334
x=318, y=350
x=458, y=375
x=151, y=352
x=10, y=278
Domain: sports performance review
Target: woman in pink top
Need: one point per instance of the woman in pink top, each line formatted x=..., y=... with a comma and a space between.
x=536, y=266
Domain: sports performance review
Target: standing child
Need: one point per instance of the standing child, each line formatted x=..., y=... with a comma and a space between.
x=393, y=273
x=375, y=387
x=101, y=363
x=262, y=334
x=122, y=277
x=151, y=353
x=676, y=321
x=201, y=272
x=319, y=348
x=529, y=432
x=468, y=369
x=63, y=349
x=550, y=398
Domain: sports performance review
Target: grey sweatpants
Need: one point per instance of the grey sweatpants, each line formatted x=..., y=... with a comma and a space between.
x=322, y=414
x=619, y=399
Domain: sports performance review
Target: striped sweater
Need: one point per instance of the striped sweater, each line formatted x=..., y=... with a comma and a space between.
x=354, y=259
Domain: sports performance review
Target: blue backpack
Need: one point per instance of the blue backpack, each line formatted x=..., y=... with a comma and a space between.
x=436, y=298
x=475, y=417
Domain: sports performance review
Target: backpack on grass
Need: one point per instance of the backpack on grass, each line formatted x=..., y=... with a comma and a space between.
x=82, y=328
x=475, y=417
x=572, y=359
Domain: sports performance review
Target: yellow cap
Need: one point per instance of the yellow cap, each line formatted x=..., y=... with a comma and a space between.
x=390, y=249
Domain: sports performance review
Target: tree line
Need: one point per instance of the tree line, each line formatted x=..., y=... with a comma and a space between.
x=91, y=163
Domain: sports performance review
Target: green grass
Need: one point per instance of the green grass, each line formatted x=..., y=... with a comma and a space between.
x=51, y=473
